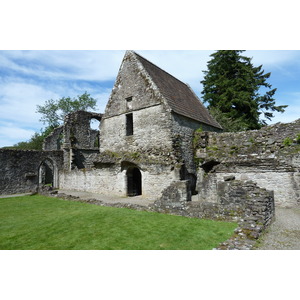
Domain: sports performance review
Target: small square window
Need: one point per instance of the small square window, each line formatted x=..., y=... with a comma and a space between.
x=129, y=99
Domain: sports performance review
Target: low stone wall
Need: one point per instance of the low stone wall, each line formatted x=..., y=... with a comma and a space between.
x=174, y=197
x=247, y=204
x=20, y=169
x=235, y=200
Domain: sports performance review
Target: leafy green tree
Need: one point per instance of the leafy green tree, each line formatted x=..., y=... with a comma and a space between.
x=53, y=114
x=238, y=93
x=54, y=111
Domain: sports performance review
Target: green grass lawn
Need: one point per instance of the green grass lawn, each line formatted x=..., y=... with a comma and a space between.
x=38, y=222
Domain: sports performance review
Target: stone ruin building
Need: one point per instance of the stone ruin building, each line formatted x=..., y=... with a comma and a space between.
x=157, y=140
x=145, y=137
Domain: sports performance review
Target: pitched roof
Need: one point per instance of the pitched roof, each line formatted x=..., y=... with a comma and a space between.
x=179, y=95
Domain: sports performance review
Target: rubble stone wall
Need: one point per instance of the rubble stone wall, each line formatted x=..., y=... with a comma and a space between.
x=234, y=200
x=54, y=140
x=270, y=157
x=77, y=130
x=20, y=169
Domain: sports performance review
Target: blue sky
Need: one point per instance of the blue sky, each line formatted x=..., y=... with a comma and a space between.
x=29, y=78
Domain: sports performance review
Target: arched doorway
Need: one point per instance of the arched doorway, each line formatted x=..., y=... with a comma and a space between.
x=48, y=174
x=134, y=182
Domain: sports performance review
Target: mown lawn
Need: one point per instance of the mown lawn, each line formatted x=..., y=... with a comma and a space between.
x=38, y=222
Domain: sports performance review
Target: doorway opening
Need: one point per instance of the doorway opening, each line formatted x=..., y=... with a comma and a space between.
x=134, y=182
x=46, y=173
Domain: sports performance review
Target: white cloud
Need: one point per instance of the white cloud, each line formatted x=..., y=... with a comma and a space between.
x=273, y=58
x=10, y=134
x=102, y=100
x=67, y=65
x=18, y=101
x=291, y=114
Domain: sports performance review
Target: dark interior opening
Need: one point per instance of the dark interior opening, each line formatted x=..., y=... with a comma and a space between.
x=129, y=124
x=46, y=173
x=134, y=182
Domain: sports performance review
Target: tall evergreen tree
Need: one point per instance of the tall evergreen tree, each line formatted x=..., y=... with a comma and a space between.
x=233, y=89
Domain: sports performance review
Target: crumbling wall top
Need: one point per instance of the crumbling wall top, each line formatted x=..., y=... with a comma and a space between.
x=280, y=141
x=77, y=131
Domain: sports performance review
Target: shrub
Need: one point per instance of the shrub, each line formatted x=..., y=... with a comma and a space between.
x=287, y=142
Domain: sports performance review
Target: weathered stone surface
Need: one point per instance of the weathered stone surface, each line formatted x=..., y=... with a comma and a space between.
x=270, y=157
x=229, y=178
x=20, y=169
x=54, y=140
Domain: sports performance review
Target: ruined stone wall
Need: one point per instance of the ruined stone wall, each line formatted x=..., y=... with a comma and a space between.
x=110, y=179
x=250, y=206
x=270, y=157
x=20, y=169
x=183, y=129
x=77, y=131
x=54, y=140
x=80, y=141
x=174, y=197
x=80, y=158
x=241, y=201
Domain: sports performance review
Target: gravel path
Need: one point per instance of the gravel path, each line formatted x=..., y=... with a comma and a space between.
x=138, y=200
x=284, y=232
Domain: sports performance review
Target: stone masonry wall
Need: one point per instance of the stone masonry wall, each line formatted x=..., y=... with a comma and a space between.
x=270, y=157
x=132, y=81
x=135, y=93
x=110, y=179
x=77, y=131
x=235, y=200
x=54, y=140
x=174, y=197
x=151, y=132
x=20, y=169
x=183, y=130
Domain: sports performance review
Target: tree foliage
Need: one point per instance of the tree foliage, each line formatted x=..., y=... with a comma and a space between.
x=53, y=114
x=238, y=93
x=54, y=111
